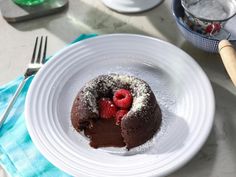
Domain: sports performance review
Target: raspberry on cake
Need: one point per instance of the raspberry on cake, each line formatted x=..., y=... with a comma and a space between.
x=107, y=109
x=116, y=110
x=119, y=115
x=122, y=98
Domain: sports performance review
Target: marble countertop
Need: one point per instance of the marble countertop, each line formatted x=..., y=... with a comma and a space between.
x=217, y=158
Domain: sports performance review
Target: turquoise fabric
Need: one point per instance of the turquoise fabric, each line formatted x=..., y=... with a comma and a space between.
x=18, y=155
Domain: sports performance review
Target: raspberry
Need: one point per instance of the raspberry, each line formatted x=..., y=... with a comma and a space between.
x=119, y=115
x=123, y=98
x=107, y=109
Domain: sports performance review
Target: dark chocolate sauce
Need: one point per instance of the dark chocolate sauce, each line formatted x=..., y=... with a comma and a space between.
x=105, y=133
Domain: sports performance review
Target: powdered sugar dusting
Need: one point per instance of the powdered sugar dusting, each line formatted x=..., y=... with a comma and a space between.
x=91, y=101
x=138, y=103
x=103, y=83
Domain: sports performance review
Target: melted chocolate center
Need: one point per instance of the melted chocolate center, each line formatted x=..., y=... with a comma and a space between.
x=104, y=133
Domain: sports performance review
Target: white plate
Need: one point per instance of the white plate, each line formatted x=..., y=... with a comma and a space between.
x=181, y=87
x=131, y=6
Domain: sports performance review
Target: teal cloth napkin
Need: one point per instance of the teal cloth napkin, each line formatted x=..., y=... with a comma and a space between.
x=18, y=155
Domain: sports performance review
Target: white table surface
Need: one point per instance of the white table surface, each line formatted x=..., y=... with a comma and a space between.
x=217, y=158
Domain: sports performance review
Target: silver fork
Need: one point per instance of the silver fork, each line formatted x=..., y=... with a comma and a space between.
x=33, y=67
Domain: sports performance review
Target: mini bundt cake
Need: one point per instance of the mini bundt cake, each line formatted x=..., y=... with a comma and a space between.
x=116, y=110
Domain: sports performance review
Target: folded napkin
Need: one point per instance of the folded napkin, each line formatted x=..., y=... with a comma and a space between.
x=18, y=155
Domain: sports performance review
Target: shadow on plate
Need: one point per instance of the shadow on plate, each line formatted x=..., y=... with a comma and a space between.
x=173, y=133
x=171, y=136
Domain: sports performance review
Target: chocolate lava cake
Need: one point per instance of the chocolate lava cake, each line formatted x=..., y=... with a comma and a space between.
x=115, y=111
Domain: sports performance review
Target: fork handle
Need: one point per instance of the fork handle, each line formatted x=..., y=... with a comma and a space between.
x=11, y=103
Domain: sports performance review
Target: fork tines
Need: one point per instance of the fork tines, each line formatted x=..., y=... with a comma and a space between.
x=40, y=56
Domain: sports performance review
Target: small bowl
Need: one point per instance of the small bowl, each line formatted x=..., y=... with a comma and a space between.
x=198, y=40
x=208, y=16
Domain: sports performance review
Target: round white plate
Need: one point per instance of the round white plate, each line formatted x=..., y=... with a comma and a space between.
x=131, y=6
x=181, y=87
